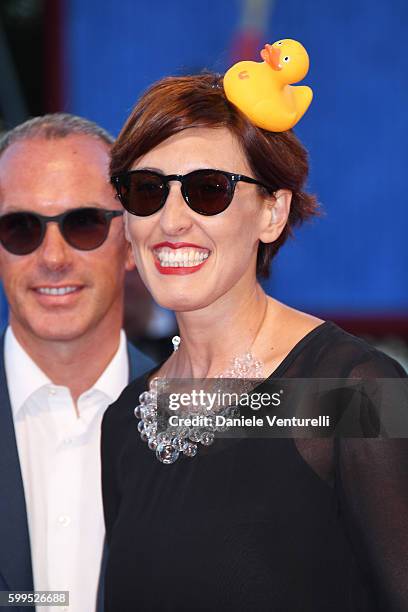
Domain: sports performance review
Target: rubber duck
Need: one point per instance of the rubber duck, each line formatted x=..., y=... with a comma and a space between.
x=263, y=91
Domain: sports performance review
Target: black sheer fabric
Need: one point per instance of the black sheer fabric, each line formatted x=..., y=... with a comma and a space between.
x=258, y=524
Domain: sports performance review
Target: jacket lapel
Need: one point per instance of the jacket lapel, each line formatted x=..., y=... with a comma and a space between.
x=15, y=555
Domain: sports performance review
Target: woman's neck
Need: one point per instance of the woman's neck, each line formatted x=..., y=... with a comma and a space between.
x=211, y=337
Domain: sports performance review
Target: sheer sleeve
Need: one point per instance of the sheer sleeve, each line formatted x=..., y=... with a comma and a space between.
x=372, y=484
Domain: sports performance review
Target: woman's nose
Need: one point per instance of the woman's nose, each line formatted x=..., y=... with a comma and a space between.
x=176, y=216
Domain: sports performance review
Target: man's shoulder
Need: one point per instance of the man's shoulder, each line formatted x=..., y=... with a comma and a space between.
x=138, y=361
x=3, y=377
x=2, y=340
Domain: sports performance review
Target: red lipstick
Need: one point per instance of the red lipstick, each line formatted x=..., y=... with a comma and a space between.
x=173, y=269
x=177, y=245
x=180, y=270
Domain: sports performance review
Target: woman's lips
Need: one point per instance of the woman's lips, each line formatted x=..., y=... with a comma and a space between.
x=179, y=258
x=179, y=269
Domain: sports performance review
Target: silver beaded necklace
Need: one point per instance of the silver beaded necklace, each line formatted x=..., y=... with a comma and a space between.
x=172, y=442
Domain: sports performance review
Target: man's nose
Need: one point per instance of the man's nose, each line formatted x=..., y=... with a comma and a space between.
x=54, y=252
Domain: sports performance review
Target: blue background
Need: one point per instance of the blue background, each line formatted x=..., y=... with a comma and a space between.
x=354, y=260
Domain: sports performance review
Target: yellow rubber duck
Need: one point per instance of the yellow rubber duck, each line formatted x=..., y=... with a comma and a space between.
x=262, y=90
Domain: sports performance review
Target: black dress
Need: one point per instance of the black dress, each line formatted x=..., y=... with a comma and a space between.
x=260, y=525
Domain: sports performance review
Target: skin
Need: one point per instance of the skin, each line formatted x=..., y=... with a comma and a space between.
x=220, y=307
x=61, y=333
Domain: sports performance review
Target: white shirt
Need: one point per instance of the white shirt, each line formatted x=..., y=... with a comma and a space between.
x=60, y=463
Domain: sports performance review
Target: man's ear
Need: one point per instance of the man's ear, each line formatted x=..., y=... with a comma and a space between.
x=126, y=225
x=130, y=260
x=277, y=209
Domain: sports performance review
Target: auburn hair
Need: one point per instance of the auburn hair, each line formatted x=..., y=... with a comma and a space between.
x=174, y=104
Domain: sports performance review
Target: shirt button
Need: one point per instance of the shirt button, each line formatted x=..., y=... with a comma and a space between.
x=64, y=520
x=52, y=391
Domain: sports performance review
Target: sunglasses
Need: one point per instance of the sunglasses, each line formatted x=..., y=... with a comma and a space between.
x=85, y=229
x=207, y=192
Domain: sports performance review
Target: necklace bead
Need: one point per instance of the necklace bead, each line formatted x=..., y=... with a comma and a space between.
x=175, y=441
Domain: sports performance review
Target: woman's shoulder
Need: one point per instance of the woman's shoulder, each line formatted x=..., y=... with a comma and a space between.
x=330, y=351
x=312, y=347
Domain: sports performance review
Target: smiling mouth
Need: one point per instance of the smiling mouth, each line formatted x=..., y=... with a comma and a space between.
x=190, y=257
x=58, y=291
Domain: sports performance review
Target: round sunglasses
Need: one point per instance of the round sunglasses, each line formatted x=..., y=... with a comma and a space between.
x=207, y=192
x=84, y=229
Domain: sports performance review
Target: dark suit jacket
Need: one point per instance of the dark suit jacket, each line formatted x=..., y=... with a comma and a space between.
x=15, y=556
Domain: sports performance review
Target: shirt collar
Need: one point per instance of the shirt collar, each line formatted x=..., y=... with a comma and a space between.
x=24, y=377
x=115, y=377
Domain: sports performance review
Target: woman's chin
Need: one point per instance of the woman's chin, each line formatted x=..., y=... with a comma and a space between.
x=182, y=303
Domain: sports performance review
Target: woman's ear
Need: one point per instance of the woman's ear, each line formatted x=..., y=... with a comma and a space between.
x=277, y=209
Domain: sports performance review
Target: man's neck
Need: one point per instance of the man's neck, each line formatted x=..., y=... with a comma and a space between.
x=77, y=363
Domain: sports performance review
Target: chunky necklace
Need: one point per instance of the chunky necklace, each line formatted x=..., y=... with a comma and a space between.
x=172, y=442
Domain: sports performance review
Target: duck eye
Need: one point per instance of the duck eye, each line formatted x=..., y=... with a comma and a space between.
x=286, y=59
x=280, y=42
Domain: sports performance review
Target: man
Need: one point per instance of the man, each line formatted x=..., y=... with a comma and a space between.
x=63, y=358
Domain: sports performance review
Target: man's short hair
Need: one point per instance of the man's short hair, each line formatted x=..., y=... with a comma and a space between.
x=54, y=126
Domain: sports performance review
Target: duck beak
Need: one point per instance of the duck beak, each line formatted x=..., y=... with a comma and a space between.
x=271, y=56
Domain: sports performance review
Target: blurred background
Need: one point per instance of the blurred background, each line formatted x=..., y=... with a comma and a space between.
x=94, y=58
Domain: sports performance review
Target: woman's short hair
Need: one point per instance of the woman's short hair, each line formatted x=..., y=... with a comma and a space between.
x=174, y=104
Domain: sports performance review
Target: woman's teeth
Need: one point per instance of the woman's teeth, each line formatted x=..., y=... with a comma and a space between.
x=181, y=258
x=56, y=290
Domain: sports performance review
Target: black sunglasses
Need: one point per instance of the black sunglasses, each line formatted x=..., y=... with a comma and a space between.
x=207, y=192
x=82, y=228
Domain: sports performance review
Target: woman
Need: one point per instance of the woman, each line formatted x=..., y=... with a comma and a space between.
x=247, y=524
